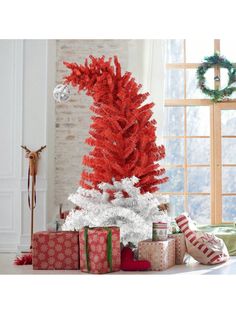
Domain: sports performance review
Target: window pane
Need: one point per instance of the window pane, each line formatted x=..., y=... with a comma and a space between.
x=175, y=51
x=228, y=150
x=224, y=79
x=198, y=151
x=174, y=121
x=229, y=208
x=175, y=182
x=192, y=90
x=229, y=179
x=196, y=50
x=198, y=121
x=199, y=179
x=210, y=82
x=174, y=85
x=228, y=122
x=199, y=208
x=177, y=205
x=233, y=95
x=174, y=152
x=228, y=49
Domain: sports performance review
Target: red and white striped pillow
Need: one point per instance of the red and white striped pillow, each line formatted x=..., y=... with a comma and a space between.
x=204, y=247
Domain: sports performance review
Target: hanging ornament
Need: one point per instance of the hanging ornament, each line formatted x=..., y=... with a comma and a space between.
x=61, y=93
x=216, y=78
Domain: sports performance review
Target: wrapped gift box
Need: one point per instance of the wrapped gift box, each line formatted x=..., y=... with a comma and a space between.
x=180, y=247
x=100, y=249
x=161, y=254
x=55, y=250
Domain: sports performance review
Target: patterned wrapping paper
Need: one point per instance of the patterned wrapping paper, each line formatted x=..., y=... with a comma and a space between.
x=100, y=249
x=180, y=247
x=161, y=254
x=206, y=248
x=55, y=250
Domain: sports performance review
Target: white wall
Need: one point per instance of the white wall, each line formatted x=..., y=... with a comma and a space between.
x=26, y=117
x=11, y=64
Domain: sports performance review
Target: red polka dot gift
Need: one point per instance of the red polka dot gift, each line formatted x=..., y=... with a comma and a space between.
x=55, y=250
x=99, y=249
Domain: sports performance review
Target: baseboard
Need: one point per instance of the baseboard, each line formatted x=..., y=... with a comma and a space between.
x=24, y=245
x=8, y=248
x=23, y=248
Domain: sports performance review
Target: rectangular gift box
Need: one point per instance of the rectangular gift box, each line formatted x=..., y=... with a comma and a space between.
x=180, y=247
x=55, y=250
x=99, y=249
x=161, y=254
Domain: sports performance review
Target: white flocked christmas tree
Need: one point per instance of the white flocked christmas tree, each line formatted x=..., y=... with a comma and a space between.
x=133, y=214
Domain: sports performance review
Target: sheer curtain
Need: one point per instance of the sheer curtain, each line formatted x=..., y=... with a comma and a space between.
x=154, y=81
x=154, y=60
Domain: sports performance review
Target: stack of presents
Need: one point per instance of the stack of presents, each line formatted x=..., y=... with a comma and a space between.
x=97, y=250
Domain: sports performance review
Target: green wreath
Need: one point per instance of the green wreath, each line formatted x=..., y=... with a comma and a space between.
x=216, y=94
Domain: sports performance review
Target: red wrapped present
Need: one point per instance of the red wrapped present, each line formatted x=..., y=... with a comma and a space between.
x=99, y=249
x=55, y=250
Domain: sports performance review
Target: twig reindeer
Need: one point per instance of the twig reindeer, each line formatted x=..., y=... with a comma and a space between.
x=32, y=173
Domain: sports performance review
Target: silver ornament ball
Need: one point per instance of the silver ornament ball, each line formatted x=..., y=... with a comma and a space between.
x=61, y=93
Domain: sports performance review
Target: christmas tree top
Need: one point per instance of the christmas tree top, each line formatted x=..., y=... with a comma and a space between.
x=122, y=133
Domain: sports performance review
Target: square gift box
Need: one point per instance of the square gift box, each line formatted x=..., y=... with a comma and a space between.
x=100, y=249
x=55, y=250
x=180, y=247
x=161, y=254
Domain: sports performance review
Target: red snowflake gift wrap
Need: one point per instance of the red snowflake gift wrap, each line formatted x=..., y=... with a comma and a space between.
x=55, y=250
x=99, y=249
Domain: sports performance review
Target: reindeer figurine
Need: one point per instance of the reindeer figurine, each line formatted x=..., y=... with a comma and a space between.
x=32, y=173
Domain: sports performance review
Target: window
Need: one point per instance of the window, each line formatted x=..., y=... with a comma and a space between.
x=200, y=137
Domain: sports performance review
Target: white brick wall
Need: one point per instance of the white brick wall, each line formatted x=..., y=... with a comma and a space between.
x=73, y=118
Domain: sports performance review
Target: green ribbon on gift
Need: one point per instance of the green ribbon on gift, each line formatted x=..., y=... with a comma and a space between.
x=109, y=246
x=86, y=247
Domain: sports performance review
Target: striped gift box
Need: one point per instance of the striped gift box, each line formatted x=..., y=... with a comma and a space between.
x=206, y=248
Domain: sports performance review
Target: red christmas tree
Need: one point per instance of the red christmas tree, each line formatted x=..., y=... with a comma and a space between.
x=122, y=133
